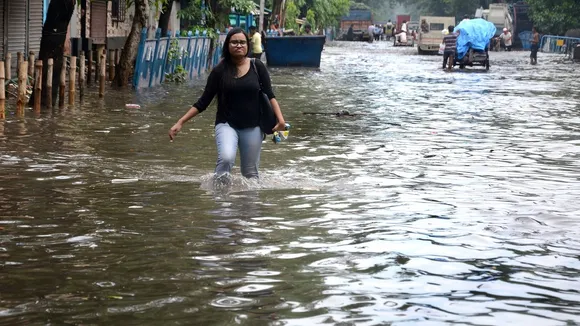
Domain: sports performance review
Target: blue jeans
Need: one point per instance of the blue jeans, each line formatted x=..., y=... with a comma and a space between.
x=228, y=140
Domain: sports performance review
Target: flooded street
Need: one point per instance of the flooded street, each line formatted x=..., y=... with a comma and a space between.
x=449, y=198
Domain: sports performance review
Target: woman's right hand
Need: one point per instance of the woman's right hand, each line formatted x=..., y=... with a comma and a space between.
x=174, y=130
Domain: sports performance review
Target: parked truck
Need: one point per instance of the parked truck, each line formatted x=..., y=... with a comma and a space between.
x=431, y=33
x=360, y=19
x=499, y=15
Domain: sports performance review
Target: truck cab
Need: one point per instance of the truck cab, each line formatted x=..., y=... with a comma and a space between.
x=499, y=15
x=431, y=33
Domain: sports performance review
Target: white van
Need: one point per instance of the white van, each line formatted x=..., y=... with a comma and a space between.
x=431, y=33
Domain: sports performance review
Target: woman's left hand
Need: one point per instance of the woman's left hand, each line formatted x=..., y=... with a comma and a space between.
x=280, y=126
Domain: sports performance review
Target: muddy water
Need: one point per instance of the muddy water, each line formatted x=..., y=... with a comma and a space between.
x=450, y=198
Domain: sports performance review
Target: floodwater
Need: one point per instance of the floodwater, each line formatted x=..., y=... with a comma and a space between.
x=449, y=198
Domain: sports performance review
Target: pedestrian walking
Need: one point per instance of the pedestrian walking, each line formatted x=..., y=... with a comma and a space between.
x=236, y=81
x=506, y=37
x=450, y=41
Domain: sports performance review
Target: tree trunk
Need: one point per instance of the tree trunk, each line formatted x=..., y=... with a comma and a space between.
x=275, y=15
x=52, y=43
x=218, y=19
x=164, y=17
x=129, y=53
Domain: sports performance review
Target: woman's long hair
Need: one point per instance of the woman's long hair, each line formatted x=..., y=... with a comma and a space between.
x=230, y=70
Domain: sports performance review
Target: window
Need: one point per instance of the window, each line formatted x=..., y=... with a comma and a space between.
x=119, y=10
x=436, y=26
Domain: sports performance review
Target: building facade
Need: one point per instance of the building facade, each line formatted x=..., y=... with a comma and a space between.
x=94, y=24
x=21, y=27
x=107, y=23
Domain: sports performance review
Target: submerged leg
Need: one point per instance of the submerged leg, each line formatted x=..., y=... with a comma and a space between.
x=450, y=61
x=250, y=143
x=226, y=139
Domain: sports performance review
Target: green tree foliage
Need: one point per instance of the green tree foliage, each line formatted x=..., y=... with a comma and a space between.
x=311, y=17
x=359, y=6
x=455, y=8
x=555, y=16
x=328, y=12
x=377, y=4
x=193, y=12
x=292, y=12
x=216, y=11
x=318, y=13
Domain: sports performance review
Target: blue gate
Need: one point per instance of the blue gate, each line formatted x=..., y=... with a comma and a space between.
x=161, y=55
x=559, y=44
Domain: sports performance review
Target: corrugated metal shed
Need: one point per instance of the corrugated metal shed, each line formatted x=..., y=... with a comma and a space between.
x=16, y=31
x=35, y=18
x=2, y=29
x=99, y=21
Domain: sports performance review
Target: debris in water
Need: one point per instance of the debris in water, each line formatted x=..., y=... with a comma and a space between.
x=124, y=180
x=132, y=106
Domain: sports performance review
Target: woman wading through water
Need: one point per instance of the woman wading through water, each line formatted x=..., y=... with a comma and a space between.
x=235, y=82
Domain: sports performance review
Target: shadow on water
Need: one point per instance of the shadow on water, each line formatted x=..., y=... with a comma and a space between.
x=446, y=198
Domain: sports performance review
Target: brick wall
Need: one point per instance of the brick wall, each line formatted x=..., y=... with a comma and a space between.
x=117, y=28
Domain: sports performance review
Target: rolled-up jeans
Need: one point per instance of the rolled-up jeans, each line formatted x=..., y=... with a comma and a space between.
x=228, y=140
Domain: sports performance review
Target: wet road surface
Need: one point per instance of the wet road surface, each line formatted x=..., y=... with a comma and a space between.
x=448, y=198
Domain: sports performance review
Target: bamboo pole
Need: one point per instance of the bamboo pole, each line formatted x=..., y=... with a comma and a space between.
x=111, y=65
x=38, y=85
x=62, y=84
x=72, y=78
x=261, y=20
x=82, y=74
x=49, y=73
x=103, y=70
x=100, y=55
x=2, y=92
x=90, y=67
x=19, y=59
x=22, y=83
x=8, y=66
x=31, y=66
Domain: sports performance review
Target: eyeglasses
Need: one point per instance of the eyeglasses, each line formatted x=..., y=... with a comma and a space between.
x=238, y=43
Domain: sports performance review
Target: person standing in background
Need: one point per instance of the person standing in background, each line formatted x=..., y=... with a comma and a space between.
x=371, y=31
x=350, y=33
x=256, y=40
x=535, y=46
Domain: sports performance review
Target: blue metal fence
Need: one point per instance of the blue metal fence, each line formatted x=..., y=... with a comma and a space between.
x=558, y=44
x=193, y=51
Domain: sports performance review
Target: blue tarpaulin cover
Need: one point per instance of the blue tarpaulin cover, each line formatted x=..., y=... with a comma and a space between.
x=473, y=33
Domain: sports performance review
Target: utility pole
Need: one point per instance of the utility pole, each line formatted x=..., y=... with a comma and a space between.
x=283, y=15
x=261, y=27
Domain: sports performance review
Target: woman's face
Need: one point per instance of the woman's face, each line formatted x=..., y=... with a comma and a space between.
x=238, y=45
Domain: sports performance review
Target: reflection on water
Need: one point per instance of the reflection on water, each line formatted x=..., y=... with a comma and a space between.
x=448, y=198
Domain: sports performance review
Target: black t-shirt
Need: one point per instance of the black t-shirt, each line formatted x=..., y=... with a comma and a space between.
x=238, y=100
